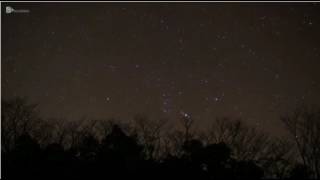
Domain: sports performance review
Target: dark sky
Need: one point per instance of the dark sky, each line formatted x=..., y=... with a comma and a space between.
x=103, y=60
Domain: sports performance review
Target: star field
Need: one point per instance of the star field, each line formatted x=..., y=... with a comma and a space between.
x=203, y=60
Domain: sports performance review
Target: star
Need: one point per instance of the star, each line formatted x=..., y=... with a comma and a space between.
x=186, y=115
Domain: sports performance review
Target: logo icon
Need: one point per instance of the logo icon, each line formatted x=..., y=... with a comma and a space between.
x=10, y=10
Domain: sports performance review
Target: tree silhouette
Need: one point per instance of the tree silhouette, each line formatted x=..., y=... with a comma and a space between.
x=247, y=143
x=304, y=127
x=150, y=135
x=17, y=118
x=146, y=149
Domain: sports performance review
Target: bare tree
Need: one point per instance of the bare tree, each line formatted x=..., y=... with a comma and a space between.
x=149, y=134
x=173, y=143
x=17, y=118
x=247, y=143
x=303, y=126
x=60, y=129
x=278, y=159
x=174, y=140
x=187, y=123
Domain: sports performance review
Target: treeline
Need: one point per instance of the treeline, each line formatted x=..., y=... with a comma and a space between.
x=146, y=149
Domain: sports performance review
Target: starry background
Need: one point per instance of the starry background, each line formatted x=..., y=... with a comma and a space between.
x=206, y=60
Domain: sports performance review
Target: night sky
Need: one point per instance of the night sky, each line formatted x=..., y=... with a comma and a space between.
x=163, y=60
